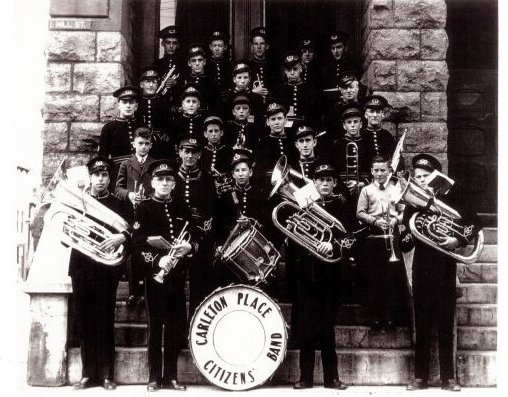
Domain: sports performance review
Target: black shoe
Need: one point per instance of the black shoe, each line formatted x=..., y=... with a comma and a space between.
x=174, y=385
x=450, y=385
x=153, y=386
x=108, y=384
x=302, y=385
x=417, y=384
x=376, y=325
x=335, y=384
x=84, y=383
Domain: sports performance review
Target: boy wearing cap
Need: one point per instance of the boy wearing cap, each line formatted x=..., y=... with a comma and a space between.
x=380, y=141
x=164, y=215
x=188, y=119
x=170, y=42
x=132, y=186
x=350, y=151
x=377, y=209
x=243, y=132
x=310, y=72
x=217, y=66
x=316, y=291
x=94, y=291
x=300, y=98
x=116, y=137
x=196, y=61
x=241, y=76
x=151, y=109
x=263, y=70
x=216, y=153
x=196, y=189
x=305, y=143
x=272, y=146
x=434, y=290
x=242, y=202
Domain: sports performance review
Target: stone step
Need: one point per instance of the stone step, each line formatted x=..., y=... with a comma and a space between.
x=478, y=293
x=489, y=254
x=490, y=235
x=477, y=314
x=488, y=219
x=356, y=367
x=477, y=272
x=347, y=337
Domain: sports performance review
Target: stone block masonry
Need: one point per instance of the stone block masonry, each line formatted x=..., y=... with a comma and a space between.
x=404, y=47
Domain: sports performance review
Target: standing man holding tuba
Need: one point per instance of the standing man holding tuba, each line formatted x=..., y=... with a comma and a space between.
x=434, y=275
x=94, y=291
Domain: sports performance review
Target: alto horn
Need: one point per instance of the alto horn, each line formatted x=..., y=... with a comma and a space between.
x=309, y=226
x=437, y=220
x=83, y=223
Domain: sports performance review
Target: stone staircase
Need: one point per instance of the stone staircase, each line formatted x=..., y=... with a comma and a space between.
x=366, y=357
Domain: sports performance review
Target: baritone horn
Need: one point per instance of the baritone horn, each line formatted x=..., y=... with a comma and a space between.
x=82, y=222
x=308, y=225
x=437, y=220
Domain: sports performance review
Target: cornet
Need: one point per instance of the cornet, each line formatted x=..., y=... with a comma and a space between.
x=162, y=89
x=389, y=232
x=173, y=261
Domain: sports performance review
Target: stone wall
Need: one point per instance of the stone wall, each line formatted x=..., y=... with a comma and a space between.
x=404, y=49
x=83, y=69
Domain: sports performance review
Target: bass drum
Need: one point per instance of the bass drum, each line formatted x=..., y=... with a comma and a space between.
x=238, y=337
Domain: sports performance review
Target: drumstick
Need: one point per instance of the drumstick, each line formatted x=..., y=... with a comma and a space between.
x=237, y=203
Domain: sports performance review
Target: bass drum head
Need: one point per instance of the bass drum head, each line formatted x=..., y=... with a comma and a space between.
x=238, y=337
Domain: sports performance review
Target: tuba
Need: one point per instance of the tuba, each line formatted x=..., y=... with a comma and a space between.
x=308, y=225
x=82, y=222
x=438, y=220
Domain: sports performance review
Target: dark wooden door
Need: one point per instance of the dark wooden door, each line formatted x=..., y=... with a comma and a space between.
x=472, y=101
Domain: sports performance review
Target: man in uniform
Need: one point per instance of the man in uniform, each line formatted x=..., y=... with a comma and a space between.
x=170, y=42
x=151, y=109
x=196, y=189
x=310, y=71
x=164, y=215
x=117, y=136
x=264, y=72
x=94, y=291
x=218, y=63
x=434, y=275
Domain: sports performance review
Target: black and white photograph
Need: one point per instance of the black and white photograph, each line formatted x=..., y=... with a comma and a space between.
x=275, y=197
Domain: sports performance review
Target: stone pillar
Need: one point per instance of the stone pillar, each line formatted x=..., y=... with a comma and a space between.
x=404, y=47
x=90, y=55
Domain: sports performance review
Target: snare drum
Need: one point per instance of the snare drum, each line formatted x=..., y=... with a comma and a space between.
x=250, y=256
x=238, y=337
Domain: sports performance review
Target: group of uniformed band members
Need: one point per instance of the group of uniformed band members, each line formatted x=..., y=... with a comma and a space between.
x=200, y=127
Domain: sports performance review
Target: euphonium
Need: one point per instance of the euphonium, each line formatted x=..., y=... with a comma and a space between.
x=309, y=226
x=83, y=223
x=438, y=220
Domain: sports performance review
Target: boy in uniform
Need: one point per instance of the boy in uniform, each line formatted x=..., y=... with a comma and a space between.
x=151, y=108
x=434, y=274
x=216, y=154
x=170, y=42
x=380, y=141
x=316, y=292
x=218, y=62
x=242, y=132
x=163, y=215
x=377, y=210
x=132, y=186
x=263, y=71
x=310, y=72
x=94, y=291
x=196, y=76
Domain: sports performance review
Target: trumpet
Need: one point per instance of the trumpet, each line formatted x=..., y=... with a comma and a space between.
x=223, y=182
x=183, y=236
x=162, y=89
x=389, y=233
x=352, y=165
x=140, y=193
x=311, y=226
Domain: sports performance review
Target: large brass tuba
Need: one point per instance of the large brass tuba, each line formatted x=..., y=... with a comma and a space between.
x=309, y=225
x=438, y=220
x=82, y=222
